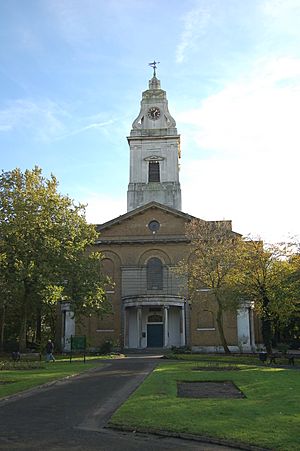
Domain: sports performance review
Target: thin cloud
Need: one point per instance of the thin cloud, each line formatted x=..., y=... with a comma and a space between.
x=43, y=119
x=195, y=23
x=28, y=40
x=280, y=9
x=253, y=195
x=95, y=125
x=103, y=207
x=253, y=117
x=5, y=128
x=69, y=19
x=250, y=131
x=281, y=25
x=46, y=120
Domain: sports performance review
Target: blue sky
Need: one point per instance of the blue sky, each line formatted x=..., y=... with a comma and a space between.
x=72, y=73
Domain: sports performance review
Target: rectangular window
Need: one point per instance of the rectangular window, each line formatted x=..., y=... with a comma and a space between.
x=206, y=320
x=154, y=175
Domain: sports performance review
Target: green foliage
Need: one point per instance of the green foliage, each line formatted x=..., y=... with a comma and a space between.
x=212, y=263
x=266, y=277
x=231, y=270
x=180, y=350
x=20, y=366
x=212, y=267
x=44, y=239
x=106, y=347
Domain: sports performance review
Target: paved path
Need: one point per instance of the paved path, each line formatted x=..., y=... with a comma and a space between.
x=72, y=414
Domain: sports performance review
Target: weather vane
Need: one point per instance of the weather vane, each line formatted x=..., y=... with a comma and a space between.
x=154, y=67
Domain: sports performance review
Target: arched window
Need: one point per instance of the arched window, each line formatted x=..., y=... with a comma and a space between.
x=154, y=274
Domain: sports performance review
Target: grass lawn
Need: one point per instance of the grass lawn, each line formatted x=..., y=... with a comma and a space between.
x=14, y=381
x=269, y=416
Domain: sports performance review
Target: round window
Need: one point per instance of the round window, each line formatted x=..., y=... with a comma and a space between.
x=154, y=226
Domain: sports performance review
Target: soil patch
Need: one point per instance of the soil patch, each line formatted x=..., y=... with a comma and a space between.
x=216, y=368
x=208, y=389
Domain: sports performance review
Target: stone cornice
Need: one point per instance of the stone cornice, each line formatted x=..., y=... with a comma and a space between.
x=153, y=137
x=150, y=240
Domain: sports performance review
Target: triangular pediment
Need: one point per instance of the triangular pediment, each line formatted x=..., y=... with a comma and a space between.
x=154, y=158
x=141, y=210
x=134, y=225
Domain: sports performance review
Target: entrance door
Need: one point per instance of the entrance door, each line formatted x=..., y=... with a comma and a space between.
x=155, y=335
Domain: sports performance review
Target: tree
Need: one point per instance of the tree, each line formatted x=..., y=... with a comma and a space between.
x=212, y=266
x=235, y=269
x=44, y=239
x=266, y=277
x=290, y=331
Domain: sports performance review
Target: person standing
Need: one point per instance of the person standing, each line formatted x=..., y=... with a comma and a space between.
x=49, y=351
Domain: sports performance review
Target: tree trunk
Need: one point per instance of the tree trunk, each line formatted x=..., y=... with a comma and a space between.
x=267, y=326
x=23, y=334
x=38, y=325
x=23, y=328
x=267, y=334
x=2, y=329
x=219, y=320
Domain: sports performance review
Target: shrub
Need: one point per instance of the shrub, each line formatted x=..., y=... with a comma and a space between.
x=11, y=365
x=106, y=347
x=180, y=350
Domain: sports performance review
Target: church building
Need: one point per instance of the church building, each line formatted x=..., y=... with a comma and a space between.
x=151, y=307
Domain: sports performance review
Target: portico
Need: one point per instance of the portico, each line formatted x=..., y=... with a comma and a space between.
x=154, y=322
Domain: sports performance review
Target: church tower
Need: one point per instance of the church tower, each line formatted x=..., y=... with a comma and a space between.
x=151, y=304
x=154, y=152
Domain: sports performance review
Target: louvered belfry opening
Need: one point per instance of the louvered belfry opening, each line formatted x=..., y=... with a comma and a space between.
x=154, y=175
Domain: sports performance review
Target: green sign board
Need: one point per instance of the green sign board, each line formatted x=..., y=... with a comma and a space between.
x=78, y=343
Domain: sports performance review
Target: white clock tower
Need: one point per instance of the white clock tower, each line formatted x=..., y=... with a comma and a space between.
x=154, y=152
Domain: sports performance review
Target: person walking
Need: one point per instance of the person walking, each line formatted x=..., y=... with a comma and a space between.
x=49, y=351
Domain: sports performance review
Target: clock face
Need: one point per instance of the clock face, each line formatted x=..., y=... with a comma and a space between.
x=154, y=113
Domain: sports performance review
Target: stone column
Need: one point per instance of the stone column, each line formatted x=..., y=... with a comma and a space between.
x=252, y=331
x=166, y=326
x=139, y=325
x=68, y=326
x=182, y=322
x=243, y=328
x=125, y=322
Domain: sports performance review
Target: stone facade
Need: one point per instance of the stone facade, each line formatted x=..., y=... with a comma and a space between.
x=146, y=316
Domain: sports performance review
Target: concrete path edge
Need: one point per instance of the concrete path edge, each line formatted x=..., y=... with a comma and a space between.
x=185, y=436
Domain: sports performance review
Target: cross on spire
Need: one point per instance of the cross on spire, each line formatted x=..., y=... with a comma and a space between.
x=154, y=67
